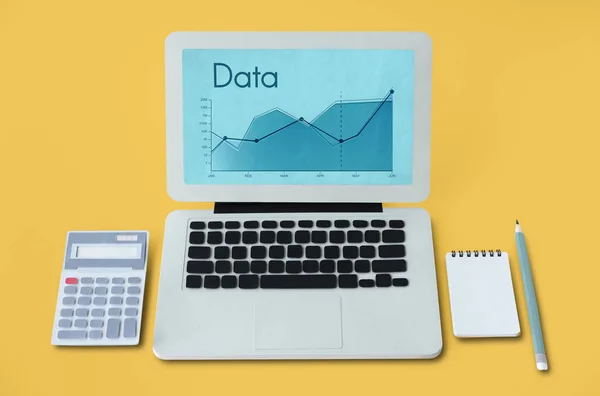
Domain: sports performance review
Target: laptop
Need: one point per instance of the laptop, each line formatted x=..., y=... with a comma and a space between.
x=298, y=138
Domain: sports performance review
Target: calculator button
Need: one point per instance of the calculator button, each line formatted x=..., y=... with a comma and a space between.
x=102, y=281
x=99, y=300
x=116, y=300
x=64, y=323
x=66, y=313
x=117, y=290
x=129, y=328
x=101, y=291
x=68, y=301
x=118, y=281
x=87, y=281
x=114, y=311
x=71, y=281
x=71, y=335
x=132, y=301
x=84, y=301
x=133, y=290
x=97, y=313
x=70, y=290
x=95, y=334
x=130, y=311
x=80, y=323
x=134, y=281
x=86, y=291
x=81, y=312
x=96, y=324
x=113, y=327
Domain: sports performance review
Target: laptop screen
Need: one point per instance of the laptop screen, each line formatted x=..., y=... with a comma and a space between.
x=298, y=117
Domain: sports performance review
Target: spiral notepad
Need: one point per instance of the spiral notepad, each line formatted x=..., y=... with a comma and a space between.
x=482, y=299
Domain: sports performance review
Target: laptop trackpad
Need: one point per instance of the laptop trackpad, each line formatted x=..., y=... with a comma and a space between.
x=295, y=322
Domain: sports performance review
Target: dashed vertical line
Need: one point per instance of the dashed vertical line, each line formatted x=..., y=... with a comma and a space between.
x=341, y=133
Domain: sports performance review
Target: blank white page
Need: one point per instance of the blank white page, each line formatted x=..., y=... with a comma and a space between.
x=482, y=300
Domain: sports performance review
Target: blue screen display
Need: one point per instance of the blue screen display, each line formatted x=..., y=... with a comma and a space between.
x=298, y=116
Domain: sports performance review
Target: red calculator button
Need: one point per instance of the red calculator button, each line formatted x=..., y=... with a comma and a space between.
x=71, y=281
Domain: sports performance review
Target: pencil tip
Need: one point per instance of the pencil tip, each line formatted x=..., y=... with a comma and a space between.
x=517, y=221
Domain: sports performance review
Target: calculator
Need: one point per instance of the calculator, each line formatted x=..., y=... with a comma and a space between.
x=101, y=291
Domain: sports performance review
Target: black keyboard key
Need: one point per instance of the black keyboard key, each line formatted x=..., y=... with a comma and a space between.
x=305, y=224
x=295, y=251
x=233, y=237
x=293, y=267
x=197, y=225
x=341, y=223
x=232, y=225
x=327, y=266
x=366, y=283
x=313, y=252
x=389, y=265
x=386, y=251
x=211, y=282
x=362, y=266
x=344, y=266
x=337, y=236
x=222, y=252
x=319, y=237
x=193, y=281
x=241, y=267
x=302, y=237
x=348, y=281
x=249, y=237
x=215, y=238
x=248, y=281
x=267, y=237
x=251, y=224
x=323, y=223
x=287, y=224
x=258, y=267
x=298, y=281
x=215, y=225
x=396, y=224
x=269, y=224
x=393, y=236
x=223, y=267
x=382, y=280
x=400, y=282
x=229, y=282
x=310, y=266
x=350, y=252
x=199, y=252
x=197, y=238
x=378, y=223
x=360, y=223
x=277, y=252
x=276, y=267
x=239, y=252
x=332, y=252
x=367, y=251
x=284, y=237
x=258, y=252
x=355, y=236
x=372, y=236
x=200, y=267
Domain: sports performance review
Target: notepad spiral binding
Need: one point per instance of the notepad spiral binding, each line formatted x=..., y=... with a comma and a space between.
x=476, y=253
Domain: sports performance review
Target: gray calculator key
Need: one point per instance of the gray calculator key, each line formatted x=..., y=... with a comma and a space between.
x=96, y=324
x=84, y=301
x=86, y=291
x=71, y=334
x=66, y=313
x=101, y=291
x=129, y=328
x=68, y=300
x=117, y=290
x=130, y=311
x=81, y=312
x=87, y=281
x=95, y=334
x=113, y=327
x=118, y=281
x=80, y=323
x=134, y=280
x=114, y=311
x=64, y=323
x=116, y=300
x=99, y=300
x=133, y=290
x=132, y=301
x=97, y=313
x=70, y=289
x=102, y=281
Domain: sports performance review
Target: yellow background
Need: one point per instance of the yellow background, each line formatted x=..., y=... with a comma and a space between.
x=514, y=134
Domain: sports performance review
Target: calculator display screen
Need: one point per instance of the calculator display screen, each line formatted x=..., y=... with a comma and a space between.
x=108, y=251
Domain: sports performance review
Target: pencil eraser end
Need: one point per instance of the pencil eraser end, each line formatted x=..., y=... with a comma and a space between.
x=542, y=366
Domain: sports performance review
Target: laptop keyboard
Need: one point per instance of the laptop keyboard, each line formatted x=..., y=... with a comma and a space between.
x=292, y=254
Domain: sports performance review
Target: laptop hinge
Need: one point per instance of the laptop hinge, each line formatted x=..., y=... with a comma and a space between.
x=296, y=207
